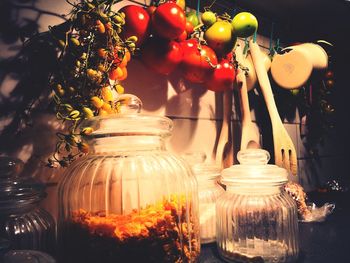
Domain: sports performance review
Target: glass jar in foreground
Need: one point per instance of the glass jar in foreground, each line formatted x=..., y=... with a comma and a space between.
x=129, y=199
x=209, y=191
x=256, y=219
x=22, y=222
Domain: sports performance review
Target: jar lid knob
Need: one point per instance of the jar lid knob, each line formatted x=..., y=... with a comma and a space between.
x=253, y=156
x=129, y=104
x=10, y=167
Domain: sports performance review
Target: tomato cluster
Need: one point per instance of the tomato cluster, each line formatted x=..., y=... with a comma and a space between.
x=167, y=39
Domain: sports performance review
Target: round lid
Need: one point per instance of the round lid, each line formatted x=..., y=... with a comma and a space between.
x=292, y=69
x=201, y=169
x=129, y=121
x=15, y=188
x=253, y=169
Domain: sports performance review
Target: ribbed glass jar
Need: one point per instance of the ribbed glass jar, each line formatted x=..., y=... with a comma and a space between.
x=256, y=218
x=209, y=190
x=22, y=222
x=129, y=199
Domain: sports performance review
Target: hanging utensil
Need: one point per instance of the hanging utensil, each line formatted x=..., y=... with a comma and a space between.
x=285, y=153
x=224, y=149
x=250, y=134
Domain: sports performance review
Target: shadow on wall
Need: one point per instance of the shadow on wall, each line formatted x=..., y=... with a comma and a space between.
x=150, y=87
x=24, y=76
x=171, y=96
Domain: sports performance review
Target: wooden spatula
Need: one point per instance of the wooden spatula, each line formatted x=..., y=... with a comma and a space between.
x=285, y=154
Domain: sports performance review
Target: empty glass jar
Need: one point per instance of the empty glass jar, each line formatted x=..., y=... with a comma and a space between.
x=256, y=218
x=22, y=222
x=129, y=199
x=209, y=190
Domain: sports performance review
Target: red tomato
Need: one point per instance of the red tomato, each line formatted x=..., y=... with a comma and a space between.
x=222, y=77
x=161, y=55
x=169, y=20
x=182, y=37
x=194, y=64
x=329, y=74
x=137, y=23
x=151, y=9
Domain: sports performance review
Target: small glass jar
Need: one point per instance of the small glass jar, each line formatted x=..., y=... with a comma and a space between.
x=129, y=199
x=22, y=222
x=207, y=175
x=256, y=219
x=27, y=256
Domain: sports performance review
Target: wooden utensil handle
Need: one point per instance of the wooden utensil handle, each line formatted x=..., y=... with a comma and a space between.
x=242, y=85
x=264, y=81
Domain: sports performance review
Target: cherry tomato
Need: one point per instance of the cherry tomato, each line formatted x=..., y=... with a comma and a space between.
x=329, y=74
x=100, y=27
x=222, y=77
x=125, y=74
x=180, y=3
x=161, y=55
x=102, y=53
x=151, y=9
x=244, y=24
x=330, y=83
x=169, y=21
x=194, y=64
x=116, y=73
x=182, y=37
x=219, y=37
x=137, y=23
x=189, y=27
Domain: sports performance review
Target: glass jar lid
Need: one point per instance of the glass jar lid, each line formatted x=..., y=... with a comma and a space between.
x=16, y=188
x=254, y=170
x=202, y=170
x=129, y=121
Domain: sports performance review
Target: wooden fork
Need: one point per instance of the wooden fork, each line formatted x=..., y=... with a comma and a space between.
x=285, y=154
x=250, y=134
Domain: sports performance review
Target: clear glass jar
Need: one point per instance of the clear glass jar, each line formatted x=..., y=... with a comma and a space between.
x=27, y=256
x=207, y=175
x=256, y=219
x=129, y=199
x=22, y=222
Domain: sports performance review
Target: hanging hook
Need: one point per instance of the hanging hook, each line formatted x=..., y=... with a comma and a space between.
x=198, y=6
x=255, y=36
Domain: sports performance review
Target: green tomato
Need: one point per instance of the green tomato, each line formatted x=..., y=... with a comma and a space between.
x=295, y=92
x=220, y=38
x=244, y=24
x=192, y=18
x=208, y=18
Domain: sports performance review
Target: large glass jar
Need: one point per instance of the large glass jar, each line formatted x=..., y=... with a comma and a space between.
x=256, y=219
x=22, y=222
x=129, y=199
x=207, y=175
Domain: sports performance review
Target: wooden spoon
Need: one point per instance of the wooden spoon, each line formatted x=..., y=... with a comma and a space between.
x=224, y=149
x=250, y=134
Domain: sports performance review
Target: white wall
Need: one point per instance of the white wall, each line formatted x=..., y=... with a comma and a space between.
x=197, y=116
